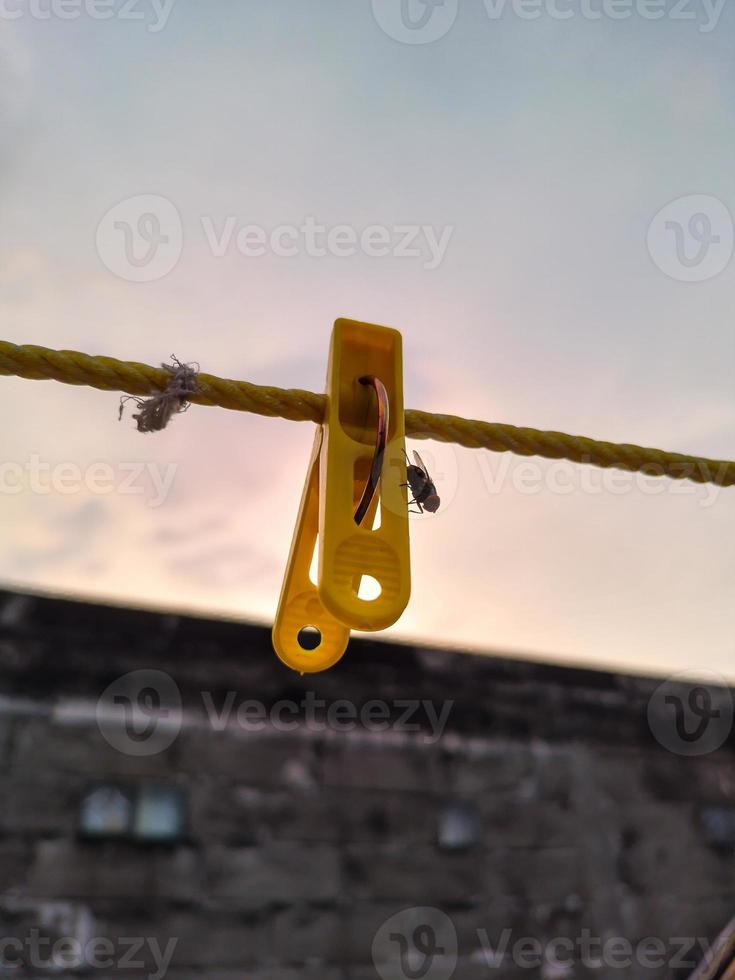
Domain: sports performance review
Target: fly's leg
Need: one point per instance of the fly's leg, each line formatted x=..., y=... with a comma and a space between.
x=412, y=501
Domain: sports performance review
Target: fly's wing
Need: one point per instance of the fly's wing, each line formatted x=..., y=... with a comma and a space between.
x=420, y=463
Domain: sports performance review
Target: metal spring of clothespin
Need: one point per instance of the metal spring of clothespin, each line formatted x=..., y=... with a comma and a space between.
x=353, y=507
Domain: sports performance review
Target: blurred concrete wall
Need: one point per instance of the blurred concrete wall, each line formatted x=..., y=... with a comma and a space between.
x=515, y=799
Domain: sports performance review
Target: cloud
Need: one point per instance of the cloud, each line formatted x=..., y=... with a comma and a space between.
x=63, y=538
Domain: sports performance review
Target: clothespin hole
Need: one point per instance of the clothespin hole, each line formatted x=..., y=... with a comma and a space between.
x=376, y=466
x=370, y=589
x=309, y=638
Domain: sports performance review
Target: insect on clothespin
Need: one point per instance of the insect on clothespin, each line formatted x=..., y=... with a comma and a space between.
x=353, y=508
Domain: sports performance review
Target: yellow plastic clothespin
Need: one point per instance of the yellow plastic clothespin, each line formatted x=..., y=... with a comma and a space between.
x=357, y=463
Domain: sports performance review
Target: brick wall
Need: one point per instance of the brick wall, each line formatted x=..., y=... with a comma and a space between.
x=305, y=832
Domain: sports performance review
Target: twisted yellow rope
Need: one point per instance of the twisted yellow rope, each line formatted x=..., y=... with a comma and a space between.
x=109, y=374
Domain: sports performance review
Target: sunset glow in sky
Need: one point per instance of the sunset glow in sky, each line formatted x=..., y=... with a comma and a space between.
x=496, y=193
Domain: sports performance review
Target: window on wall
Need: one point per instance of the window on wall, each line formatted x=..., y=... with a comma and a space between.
x=717, y=824
x=145, y=813
x=459, y=826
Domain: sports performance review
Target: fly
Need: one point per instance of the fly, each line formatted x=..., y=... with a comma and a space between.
x=422, y=486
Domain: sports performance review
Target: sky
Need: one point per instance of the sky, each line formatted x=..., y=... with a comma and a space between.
x=538, y=194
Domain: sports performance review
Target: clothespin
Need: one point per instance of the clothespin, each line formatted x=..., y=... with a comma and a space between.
x=354, y=506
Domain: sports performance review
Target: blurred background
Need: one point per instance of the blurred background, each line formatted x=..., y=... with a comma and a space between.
x=177, y=804
x=537, y=194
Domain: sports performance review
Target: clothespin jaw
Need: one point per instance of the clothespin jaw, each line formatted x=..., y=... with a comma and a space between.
x=348, y=463
x=347, y=551
x=300, y=606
